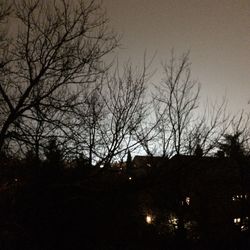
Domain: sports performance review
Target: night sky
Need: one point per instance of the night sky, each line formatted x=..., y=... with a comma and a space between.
x=217, y=33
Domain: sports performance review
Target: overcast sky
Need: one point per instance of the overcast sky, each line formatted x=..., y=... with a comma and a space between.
x=217, y=32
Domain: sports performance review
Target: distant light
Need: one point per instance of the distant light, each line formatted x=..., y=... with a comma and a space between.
x=173, y=220
x=102, y=166
x=188, y=200
x=15, y=179
x=237, y=221
x=238, y=197
x=130, y=178
x=149, y=219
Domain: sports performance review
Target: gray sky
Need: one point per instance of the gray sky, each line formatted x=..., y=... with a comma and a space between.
x=217, y=33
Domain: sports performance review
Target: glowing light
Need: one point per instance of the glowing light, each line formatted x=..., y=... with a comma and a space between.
x=237, y=197
x=130, y=178
x=237, y=221
x=188, y=200
x=173, y=220
x=149, y=219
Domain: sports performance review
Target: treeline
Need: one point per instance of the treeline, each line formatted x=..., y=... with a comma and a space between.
x=58, y=85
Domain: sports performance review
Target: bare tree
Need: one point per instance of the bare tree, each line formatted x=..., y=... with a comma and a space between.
x=180, y=125
x=126, y=109
x=87, y=117
x=108, y=115
x=208, y=128
x=154, y=134
x=59, y=46
x=178, y=97
x=35, y=129
x=112, y=113
x=94, y=116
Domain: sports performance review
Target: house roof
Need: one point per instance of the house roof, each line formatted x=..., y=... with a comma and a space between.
x=148, y=161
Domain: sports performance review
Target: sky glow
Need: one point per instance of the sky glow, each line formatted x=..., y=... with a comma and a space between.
x=217, y=33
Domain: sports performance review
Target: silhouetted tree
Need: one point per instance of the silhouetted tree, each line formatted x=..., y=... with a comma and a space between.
x=82, y=161
x=58, y=47
x=180, y=126
x=110, y=113
x=178, y=96
x=220, y=154
x=198, y=151
x=154, y=135
x=207, y=129
x=232, y=146
x=126, y=110
x=54, y=155
x=87, y=117
x=129, y=163
x=235, y=143
x=33, y=135
x=31, y=158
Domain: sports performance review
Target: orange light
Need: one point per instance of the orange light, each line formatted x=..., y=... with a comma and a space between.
x=149, y=219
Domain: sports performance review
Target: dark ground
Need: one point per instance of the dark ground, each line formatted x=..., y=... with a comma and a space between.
x=94, y=210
